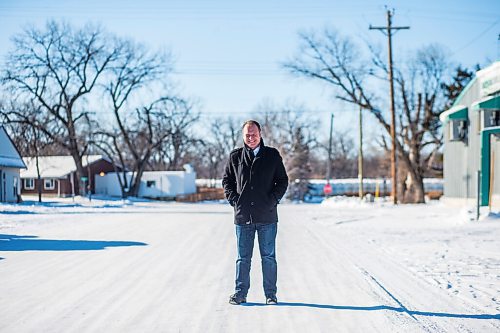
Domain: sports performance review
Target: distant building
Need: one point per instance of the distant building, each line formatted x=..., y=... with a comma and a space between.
x=10, y=165
x=58, y=174
x=472, y=140
x=154, y=184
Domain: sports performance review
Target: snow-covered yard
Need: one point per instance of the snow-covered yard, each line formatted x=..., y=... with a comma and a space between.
x=343, y=266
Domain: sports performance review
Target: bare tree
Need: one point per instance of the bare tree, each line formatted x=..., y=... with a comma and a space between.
x=227, y=134
x=111, y=145
x=57, y=67
x=298, y=164
x=336, y=60
x=344, y=159
x=280, y=124
x=181, y=118
x=139, y=127
x=224, y=136
x=293, y=131
x=132, y=145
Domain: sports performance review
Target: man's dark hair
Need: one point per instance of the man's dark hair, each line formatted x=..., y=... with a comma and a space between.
x=251, y=122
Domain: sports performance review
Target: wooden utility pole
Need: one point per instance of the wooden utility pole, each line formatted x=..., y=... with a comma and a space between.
x=329, y=165
x=360, y=154
x=388, y=31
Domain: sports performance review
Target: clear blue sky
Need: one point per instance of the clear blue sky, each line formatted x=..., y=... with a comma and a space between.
x=228, y=53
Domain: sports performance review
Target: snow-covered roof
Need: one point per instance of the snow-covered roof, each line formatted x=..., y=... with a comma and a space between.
x=54, y=166
x=9, y=156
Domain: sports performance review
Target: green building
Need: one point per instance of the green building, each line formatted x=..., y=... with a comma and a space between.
x=472, y=140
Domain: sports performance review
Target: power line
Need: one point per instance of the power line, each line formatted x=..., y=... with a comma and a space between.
x=210, y=12
x=229, y=113
x=228, y=72
x=475, y=39
x=217, y=113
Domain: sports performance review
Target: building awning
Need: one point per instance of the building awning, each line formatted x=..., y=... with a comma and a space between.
x=490, y=103
x=456, y=112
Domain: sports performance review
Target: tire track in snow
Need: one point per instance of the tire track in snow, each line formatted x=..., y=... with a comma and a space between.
x=383, y=294
x=403, y=308
x=363, y=257
x=328, y=283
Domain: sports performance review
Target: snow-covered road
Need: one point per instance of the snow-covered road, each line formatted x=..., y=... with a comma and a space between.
x=342, y=267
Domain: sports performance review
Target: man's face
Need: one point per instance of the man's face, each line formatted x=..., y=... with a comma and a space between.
x=251, y=135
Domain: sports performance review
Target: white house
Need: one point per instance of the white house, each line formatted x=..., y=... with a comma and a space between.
x=154, y=184
x=10, y=165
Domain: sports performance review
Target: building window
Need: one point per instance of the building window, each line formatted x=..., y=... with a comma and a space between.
x=150, y=183
x=495, y=118
x=49, y=184
x=29, y=184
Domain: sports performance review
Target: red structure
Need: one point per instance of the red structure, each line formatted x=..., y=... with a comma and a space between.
x=58, y=174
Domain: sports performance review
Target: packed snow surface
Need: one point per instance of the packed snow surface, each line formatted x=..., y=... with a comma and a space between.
x=343, y=266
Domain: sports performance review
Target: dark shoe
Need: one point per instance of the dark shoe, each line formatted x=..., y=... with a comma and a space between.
x=236, y=300
x=271, y=300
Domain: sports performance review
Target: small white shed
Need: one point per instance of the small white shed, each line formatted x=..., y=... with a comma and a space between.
x=154, y=184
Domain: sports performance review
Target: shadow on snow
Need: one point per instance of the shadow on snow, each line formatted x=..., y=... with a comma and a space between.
x=116, y=210
x=17, y=212
x=32, y=243
x=381, y=307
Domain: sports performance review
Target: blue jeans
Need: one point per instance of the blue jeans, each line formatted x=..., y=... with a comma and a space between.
x=245, y=235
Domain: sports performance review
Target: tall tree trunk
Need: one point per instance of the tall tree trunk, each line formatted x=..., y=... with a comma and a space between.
x=134, y=191
x=39, y=179
x=414, y=190
x=80, y=172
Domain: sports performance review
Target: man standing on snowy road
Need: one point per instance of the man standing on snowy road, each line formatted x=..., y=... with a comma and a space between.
x=254, y=182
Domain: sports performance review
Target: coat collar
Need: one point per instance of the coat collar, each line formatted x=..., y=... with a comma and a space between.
x=261, y=145
x=248, y=152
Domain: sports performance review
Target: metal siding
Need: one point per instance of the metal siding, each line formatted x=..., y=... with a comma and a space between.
x=456, y=170
x=461, y=161
x=7, y=176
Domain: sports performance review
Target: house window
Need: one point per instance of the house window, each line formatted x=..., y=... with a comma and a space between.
x=150, y=183
x=49, y=184
x=29, y=184
x=458, y=130
x=495, y=118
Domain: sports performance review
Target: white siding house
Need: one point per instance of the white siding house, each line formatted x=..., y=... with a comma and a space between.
x=10, y=165
x=154, y=184
x=472, y=141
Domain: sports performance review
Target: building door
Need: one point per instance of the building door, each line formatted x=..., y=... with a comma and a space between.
x=488, y=142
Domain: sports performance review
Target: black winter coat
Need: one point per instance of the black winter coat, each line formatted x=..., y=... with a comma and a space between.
x=254, y=186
